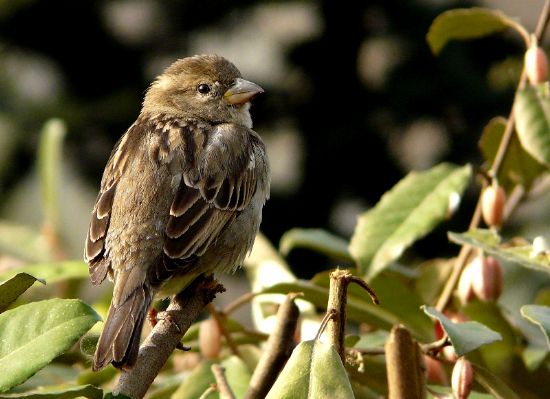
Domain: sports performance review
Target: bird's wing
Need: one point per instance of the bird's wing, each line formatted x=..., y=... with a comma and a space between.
x=94, y=252
x=215, y=187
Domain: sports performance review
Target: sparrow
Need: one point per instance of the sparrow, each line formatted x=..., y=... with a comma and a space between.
x=181, y=195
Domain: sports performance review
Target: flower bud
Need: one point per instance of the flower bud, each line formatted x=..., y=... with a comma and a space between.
x=536, y=64
x=434, y=371
x=487, y=279
x=492, y=205
x=462, y=378
x=210, y=338
x=465, y=291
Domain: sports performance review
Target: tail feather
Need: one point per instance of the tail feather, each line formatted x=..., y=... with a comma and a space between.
x=119, y=341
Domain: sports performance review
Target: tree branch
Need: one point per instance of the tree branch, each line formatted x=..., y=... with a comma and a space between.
x=221, y=382
x=157, y=347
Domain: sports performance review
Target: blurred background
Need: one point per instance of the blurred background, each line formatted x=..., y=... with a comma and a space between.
x=354, y=98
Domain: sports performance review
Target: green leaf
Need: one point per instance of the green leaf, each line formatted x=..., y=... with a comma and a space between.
x=52, y=272
x=15, y=286
x=532, y=112
x=465, y=337
x=315, y=239
x=465, y=23
x=32, y=335
x=540, y=316
x=409, y=211
x=314, y=370
x=237, y=375
x=23, y=242
x=49, y=165
x=492, y=383
x=489, y=241
x=518, y=167
x=196, y=382
x=59, y=392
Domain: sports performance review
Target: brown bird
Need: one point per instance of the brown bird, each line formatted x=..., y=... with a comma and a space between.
x=181, y=195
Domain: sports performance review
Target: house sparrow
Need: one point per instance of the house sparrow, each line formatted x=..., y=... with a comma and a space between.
x=181, y=195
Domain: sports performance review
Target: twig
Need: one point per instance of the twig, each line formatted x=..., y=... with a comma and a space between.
x=211, y=389
x=221, y=325
x=447, y=292
x=278, y=349
x=405, y=372
x=221, y=382
x=367, y=351
x=328, y=316
x=433, y=347
x=240, y=301
x=361, y=283
x=157, y=347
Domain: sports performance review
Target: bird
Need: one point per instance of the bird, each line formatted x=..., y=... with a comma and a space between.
x=181, y=196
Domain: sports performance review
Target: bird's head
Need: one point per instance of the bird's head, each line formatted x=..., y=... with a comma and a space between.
x=203, y=86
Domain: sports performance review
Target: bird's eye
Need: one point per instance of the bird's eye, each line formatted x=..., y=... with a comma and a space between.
x=203, y=88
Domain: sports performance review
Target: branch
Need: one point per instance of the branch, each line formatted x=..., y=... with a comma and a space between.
x=404, y=366
x=465, y=251
x=278, y=349
x=165, y=336
x=221, y=382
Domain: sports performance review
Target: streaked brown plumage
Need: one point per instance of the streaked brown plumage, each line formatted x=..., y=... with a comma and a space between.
x=181, y=195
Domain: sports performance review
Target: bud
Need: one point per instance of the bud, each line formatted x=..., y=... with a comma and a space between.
x=465, y=291
x=487, y=279
x=434, y=371
x=540, y=247
x=492, y=205
x=462, y=378
x=210, y=338
x=536, y=63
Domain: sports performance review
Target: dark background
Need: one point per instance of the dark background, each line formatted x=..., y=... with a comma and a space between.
x=354, y=98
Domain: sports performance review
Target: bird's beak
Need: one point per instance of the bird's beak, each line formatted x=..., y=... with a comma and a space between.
x=241, y=92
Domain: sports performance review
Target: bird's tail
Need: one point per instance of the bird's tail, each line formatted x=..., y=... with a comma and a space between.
x=119, y=341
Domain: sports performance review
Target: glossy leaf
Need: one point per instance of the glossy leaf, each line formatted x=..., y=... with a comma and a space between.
x=314, y=370
x=465, y=23
x=406, y=213
x=15, y=286
x=465, y=337
x=532, y=112
x=518, y=167
x=315, y=239
x=59, y=392
x=489, y=241
x=540, y=316
x=32, y=335
x=492, y=383
x=52, y=272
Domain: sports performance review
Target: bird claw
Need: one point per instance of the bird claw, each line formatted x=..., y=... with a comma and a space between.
x=181, y=347
x=169, y=319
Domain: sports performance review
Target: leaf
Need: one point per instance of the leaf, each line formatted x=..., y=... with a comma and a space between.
x=532, y=112
x=52, y=272
x=314, y=370
x=409, y=211
x=465, y=23
x=465, y=337
x=489, y=241
x=59, y=392
x=540, y=316
x=518, y=167
x=23, y=242
x=49, y=166
x=315, y=239
x=196, y=382
x=32, y=335
x=237, y=375
x=492, y=383
x=15, y=286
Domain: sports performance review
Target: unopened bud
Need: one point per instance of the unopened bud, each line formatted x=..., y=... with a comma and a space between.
x=487, y=279
x=462, y=378
x=210, y=339
x=465, y=291
x=492, y=205
x=434, y=371
x=536, y=64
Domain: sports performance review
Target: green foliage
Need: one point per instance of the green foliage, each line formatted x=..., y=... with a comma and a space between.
x=15, y=286
x=315, y=239
x=59, y=392
x=314, y=370
x=539, y=315
x=407, y=212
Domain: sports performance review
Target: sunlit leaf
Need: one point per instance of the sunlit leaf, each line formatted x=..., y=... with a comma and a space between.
x=15, y=286
x=518, y=167
x=406, y=213
x=52, y=272
x=237, y=375
x=532, y=112
x=465, y=337
x=489, y=241
x=465, y=23
x=314, y=370
x=59, y=392
x=32, y=335
x=315, y=239
x=196, y=382
x=540, y=316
